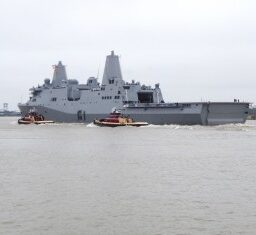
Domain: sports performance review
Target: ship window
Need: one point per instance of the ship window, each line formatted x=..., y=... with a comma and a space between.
x=111, y=81
x=128, y=102
x=119, y=92
x=186, y=105
x=117, y=97
x=54, y=99
x=145, y=97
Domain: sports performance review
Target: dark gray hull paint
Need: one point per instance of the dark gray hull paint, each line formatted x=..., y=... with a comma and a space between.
x=208, y=114
x=217, y=113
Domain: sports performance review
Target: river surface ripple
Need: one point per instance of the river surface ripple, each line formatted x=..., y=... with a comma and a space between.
x=78, y=179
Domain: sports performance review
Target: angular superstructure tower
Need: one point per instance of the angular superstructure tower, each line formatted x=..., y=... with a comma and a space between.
x=112, y=71
x=59, y=74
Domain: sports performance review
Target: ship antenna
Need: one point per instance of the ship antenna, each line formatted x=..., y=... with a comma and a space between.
x=98, y=71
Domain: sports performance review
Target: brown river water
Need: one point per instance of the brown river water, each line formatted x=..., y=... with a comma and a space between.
x=82, y=179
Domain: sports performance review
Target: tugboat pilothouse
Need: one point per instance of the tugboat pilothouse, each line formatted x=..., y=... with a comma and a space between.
x=65, y=100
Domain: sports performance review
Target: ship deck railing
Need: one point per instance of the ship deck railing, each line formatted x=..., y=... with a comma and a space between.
x=153, y=105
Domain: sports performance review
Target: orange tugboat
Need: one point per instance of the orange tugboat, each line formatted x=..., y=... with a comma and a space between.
x=117, y=119
x=33, y=117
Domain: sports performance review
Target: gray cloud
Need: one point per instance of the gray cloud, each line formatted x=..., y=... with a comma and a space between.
x=195, y=49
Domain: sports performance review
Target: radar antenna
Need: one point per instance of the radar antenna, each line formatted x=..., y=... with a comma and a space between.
x=98, y=71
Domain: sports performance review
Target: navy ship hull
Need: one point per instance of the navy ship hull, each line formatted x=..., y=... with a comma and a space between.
x=202, y=113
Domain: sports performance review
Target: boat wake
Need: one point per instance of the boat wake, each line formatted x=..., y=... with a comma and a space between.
x=249, y=125
x=91, y=125
x=171, y=126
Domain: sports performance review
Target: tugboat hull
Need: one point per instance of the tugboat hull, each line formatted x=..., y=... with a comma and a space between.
x=109, y=124
x=33, y=117
x=20, y=121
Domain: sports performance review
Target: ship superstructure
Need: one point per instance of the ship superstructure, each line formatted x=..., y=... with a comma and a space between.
x=65, y=100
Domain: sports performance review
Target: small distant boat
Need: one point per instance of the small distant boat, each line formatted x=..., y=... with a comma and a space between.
x=33, y=117
x=117, y=119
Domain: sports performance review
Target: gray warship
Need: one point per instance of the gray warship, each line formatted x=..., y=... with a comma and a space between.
x=65, y=100
x=5, y=112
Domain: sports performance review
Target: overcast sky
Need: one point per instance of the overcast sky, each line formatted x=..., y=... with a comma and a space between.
x=197, y=50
